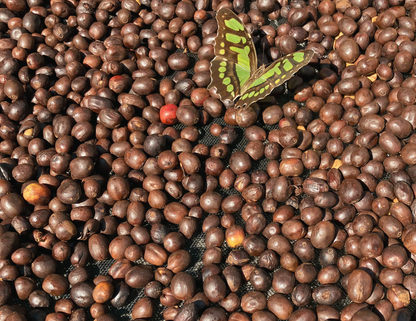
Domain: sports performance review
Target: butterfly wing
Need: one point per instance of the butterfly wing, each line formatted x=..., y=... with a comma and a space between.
x=235, y=56
x=274, y=75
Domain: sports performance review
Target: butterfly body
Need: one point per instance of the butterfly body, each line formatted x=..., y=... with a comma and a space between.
x=234, y=71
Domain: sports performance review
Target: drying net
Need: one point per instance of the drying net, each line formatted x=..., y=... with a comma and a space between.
x=196, y=245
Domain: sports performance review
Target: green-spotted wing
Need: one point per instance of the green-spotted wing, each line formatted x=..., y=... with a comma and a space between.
x=234, y=71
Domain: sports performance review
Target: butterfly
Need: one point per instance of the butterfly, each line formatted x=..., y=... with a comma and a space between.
x=234, y=71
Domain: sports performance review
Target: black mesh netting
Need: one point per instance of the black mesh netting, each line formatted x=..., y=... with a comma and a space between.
x=196, y=245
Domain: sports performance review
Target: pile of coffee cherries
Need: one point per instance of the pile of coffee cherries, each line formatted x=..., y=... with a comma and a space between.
x=104, y=109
